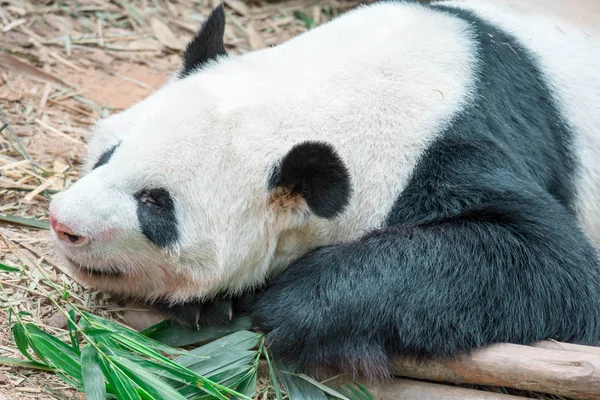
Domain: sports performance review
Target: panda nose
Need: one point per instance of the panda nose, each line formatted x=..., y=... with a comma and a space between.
x=65, y=234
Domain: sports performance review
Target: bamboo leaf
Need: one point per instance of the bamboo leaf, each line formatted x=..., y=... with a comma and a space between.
x=121, y=384
x=101, y=323
x=366, y=395
x=185, y=383
x=29, y=222
x=233, y=343
x=354, y=394
x=173, y=334
x=317, y=384
x=136, y=369
x=273, y=376
x=107, y=345
x=93, y=379
x=222, y=366
x=247, y=385
x=230, y=377
x=73, y=333
x=95, y=332
x=156, y=328
x=8, y=268
x=362, y=393
x=305, y=18
x=24, y=314
x=158, y=368
x=152, y=385
x=22, y=339
x=132, y=345
x=55, y=352
x=15, y=362
x=225, y=379
x=205, y=384
x=298, y=388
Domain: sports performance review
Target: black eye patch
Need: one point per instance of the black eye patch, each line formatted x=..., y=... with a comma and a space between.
x=105, y=157
x=156, y=215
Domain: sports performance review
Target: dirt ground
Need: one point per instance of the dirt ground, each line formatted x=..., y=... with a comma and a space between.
x=63, y=65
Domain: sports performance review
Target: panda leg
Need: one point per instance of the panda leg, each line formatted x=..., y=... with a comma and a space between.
x=515, y=271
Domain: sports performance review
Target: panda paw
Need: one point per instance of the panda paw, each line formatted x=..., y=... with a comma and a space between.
x=197, y=313
x=306, y=319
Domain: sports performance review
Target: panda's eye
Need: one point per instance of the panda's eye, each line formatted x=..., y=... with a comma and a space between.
x=156, y=215
x=155, y=199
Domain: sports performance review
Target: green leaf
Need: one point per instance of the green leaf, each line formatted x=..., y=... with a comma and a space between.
x=227, y=379
x=29, y=222
x=200, y=381
x=273, y=376
x=226, y=365
x=22, y=339
x=158, y=368
x=15, y=362
x=233, y=344
x=356, y=394
x=121, y=384
x=298, y=388
x=152, y=385
x=133, y=366
x=93, y=379
x=24, y=314
x=176, y=335
x=132, y=345
x=94, y=332
x=8, y=268
x=102, y=323
x=107, y=345
x=231, y=376
x=307, y=20
x=364, y=393
x=161, y=326
x=317, y=384
x=55, y=352
x=226, y=360
x=247, y=385
x=73, y=332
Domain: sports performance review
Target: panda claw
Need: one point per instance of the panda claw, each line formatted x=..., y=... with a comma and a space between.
x=196, y=313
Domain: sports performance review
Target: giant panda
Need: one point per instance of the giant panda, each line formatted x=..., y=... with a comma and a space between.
x=404, y=180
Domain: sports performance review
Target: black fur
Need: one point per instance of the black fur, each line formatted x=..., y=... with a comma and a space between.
x=198, y=313
x=195, y=314
x=481, y=247
x=207, y=45
x=315, y=171
x=156, y=215
x=105, y=157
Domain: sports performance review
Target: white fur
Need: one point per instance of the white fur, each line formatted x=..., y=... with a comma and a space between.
x=378, y=83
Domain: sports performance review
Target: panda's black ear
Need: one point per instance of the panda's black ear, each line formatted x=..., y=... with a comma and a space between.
x=207, y=45
x=311, y=173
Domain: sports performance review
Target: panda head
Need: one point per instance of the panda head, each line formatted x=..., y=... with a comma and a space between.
x=186, y=194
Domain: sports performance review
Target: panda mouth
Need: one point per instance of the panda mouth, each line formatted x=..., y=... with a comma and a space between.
x=96, y=273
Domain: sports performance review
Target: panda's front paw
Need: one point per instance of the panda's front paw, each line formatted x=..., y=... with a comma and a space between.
x=318, y=321
x=197, y=313
x=294, y=315
x=286, y=319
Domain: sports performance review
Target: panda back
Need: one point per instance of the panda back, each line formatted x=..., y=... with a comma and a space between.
x=564, y=41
